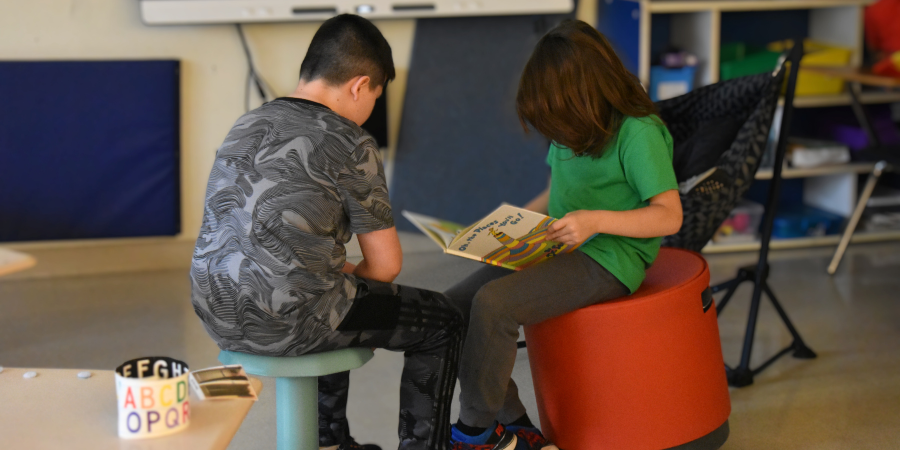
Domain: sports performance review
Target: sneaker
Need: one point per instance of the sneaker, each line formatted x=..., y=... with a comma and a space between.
x=352, y=445
x=531, y=439
x=499, y=439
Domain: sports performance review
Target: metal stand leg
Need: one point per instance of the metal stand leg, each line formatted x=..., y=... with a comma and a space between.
x=861, y=115
x=743, y=374
x=730, y=286
x=857, y=214
x=801, y=351
x=297, y=408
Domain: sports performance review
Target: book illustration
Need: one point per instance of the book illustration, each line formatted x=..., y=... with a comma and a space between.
x=441, y=231
x=509, y=237
x=525, y=251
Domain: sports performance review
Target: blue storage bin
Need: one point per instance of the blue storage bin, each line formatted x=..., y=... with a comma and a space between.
x=803, y=221
x=666, y=83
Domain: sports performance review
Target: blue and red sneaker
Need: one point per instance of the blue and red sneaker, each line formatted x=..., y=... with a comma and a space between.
x=498, y=438
x=531, y=439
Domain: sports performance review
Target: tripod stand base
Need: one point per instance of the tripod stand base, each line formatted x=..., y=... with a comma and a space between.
x=739, y=377
x=801, y=351
x=743, y=375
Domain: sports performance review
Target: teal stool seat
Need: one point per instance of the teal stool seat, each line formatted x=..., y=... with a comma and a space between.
x=297, y=388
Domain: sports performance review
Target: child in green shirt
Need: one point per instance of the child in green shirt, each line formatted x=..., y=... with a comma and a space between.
x=612, y=185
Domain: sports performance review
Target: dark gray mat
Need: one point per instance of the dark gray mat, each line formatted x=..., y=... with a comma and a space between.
x=461, y=150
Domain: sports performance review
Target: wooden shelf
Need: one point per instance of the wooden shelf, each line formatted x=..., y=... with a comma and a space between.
x=866, y=167
x=866, y=98
x=680, y=6
x=820, y=241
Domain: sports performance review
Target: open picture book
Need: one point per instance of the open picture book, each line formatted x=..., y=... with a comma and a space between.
x=509, y=237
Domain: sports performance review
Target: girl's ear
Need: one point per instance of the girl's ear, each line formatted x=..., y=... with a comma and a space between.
x=357, y=84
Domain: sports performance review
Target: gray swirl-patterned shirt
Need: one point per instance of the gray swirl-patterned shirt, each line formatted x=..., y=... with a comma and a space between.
x=289, y=186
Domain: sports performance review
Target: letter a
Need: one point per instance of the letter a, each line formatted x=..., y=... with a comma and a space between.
x=129, y=399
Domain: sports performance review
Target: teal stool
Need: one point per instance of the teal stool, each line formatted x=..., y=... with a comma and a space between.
x=297, y=388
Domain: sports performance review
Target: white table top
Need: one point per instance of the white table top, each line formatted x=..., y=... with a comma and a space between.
x=12, y=261
x=57, y=410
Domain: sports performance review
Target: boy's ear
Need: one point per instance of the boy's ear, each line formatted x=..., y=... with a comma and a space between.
x=357, y=84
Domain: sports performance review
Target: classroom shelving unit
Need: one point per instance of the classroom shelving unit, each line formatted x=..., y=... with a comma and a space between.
x=696, y=27
x=818, y=176
x=638, y=28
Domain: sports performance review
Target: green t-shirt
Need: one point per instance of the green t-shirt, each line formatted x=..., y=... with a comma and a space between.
x=636, y=166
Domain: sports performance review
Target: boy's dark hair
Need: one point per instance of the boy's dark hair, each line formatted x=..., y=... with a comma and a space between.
x=576, y=92
x=347, y=46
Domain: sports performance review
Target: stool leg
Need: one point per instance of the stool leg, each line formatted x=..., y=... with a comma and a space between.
x=297, y=407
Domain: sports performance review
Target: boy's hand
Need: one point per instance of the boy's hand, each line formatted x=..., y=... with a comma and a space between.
x=348, y=267
x=574, y=228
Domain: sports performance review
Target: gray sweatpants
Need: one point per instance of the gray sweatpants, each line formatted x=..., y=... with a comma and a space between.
x=496, y=302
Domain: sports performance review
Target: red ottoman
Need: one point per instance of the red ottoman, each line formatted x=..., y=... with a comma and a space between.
x=641, y=372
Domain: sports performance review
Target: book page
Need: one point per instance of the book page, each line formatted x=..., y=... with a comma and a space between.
x=510, y=237
x=440, y=231
x=222, y=382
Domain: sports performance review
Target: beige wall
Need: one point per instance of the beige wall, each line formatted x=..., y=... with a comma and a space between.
x=213, y=76
x=213, y=65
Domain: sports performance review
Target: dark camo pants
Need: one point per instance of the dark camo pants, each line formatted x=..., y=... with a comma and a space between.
x=429, y=329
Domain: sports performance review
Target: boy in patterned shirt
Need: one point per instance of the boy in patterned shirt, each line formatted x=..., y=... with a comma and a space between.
x=292, y=182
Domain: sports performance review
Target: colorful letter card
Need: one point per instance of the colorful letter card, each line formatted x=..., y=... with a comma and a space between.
x=152, y=394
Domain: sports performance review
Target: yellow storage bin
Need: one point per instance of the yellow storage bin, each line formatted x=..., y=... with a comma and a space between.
x=817, y=54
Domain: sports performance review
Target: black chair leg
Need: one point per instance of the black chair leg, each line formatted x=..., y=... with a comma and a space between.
x=743, y=374
x=801, y=350
x=730, y=286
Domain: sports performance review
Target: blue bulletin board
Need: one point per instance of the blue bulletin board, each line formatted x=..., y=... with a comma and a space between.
x=89, y=149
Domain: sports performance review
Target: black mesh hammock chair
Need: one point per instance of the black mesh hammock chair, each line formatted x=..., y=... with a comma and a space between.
x=749, y=100
x=752, y=100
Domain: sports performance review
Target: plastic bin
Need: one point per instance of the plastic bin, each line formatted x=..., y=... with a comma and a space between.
x=667, y=83
x=739, y=60
x=734, y=51
x=741, y=225
x=817, y=54
x=803, y=221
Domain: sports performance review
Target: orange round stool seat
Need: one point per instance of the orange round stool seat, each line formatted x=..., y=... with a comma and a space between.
x=639, y=372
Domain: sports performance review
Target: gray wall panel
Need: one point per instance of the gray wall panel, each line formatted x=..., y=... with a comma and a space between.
x=461, y=150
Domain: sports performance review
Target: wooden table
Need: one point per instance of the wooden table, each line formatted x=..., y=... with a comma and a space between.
x=58, y=410
x=12, y=261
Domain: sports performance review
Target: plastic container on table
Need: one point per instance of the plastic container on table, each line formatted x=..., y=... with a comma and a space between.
x=805, y=221
x=741, y=225
x=666, y=83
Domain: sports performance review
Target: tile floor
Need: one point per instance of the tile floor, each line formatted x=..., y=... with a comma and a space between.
x=847, y=398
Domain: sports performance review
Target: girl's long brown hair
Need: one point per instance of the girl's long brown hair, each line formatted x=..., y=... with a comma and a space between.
x=575, y=90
